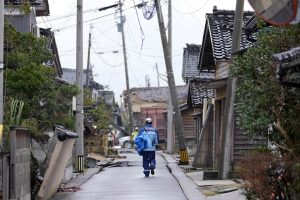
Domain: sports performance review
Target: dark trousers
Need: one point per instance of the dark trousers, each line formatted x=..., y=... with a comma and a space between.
x=149, y=161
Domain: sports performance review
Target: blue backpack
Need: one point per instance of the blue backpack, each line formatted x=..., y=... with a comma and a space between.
x=140, y=144
x=146, y=140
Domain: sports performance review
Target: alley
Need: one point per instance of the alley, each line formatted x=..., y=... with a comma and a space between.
x=128, y=182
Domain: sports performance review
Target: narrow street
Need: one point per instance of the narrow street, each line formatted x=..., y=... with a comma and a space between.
x=128, y=182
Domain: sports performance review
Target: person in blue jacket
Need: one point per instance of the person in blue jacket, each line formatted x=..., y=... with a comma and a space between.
x=151, y=138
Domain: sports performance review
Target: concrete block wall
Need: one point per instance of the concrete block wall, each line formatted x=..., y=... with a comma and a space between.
x=41, y=155
x=22, y=171
x=20, y=163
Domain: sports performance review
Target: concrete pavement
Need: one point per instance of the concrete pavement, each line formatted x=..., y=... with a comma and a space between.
x=170, y=182
x=128, y=182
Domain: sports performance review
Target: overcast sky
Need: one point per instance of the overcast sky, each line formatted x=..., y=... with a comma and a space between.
x=144, y=48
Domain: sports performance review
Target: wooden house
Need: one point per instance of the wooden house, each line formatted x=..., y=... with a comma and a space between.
x=215, y=58
x=191, y=112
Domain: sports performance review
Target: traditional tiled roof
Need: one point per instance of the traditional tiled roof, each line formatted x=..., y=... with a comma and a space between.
x=250, y=29
x=221, y=27
x=288, y=65
x=191, y=54
x=159, y=94
x=197, y=94
x=217, y=38
x=204, y=76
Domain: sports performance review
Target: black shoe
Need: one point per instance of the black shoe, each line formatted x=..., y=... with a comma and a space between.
x=146, y=175
x=152, y=171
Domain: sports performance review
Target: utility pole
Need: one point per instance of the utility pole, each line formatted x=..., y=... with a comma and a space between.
x=157, y=74
x=79, y=98
x=122, y=21
x=230, y=95
x=170, y=133
x=1, y=70
x=171, y=82
x=88, y=60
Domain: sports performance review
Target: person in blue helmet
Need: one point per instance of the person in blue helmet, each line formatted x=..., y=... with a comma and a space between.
x=151, y=138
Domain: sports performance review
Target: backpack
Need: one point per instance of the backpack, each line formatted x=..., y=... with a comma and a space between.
x=147, y=140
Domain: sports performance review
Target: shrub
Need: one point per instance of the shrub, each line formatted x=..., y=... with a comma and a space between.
x=269, y=176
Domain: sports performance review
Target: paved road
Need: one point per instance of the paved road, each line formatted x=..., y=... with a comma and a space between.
x=129, y=183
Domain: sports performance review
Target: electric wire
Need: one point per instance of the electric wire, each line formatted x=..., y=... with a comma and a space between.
x=133, y=51
x=45, y=22
x=70, y=15
x=132, y=72
x=141, y=29
x=93, y=19
x=196, y=18
x=69, y=11
x=188, y=13
x=106, y=63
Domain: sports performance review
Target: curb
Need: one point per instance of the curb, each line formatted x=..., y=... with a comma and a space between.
x=189, y=188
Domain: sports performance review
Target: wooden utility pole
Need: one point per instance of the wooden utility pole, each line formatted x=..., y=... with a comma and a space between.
x=170, y=133
x=227, y=142
x=88, y=60
x=1, y=70
x=157, y=74
x=122, y=21
x=171, y=82
x=79, y=97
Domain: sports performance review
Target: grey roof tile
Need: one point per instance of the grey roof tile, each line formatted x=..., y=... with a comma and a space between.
x=159, y=94
x=220, y=24
x=197, y=94
x=191, y=55
x=288, y=67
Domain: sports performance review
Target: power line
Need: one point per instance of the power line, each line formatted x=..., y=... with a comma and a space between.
x=68, y=18
x=69, y=15
x=188, y=13
x=108, y=64
x=141, y=29
x=93, y=19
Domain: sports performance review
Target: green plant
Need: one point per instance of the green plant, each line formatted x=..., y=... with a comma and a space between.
x=26, y=7
x=44, y=101
x=265, y=107
x=16, y=111
x=269, y=109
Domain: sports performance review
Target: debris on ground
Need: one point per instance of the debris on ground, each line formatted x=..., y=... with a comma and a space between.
x=211, y=190
x=96, y=156
x=68, y=188
x=116, y=156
